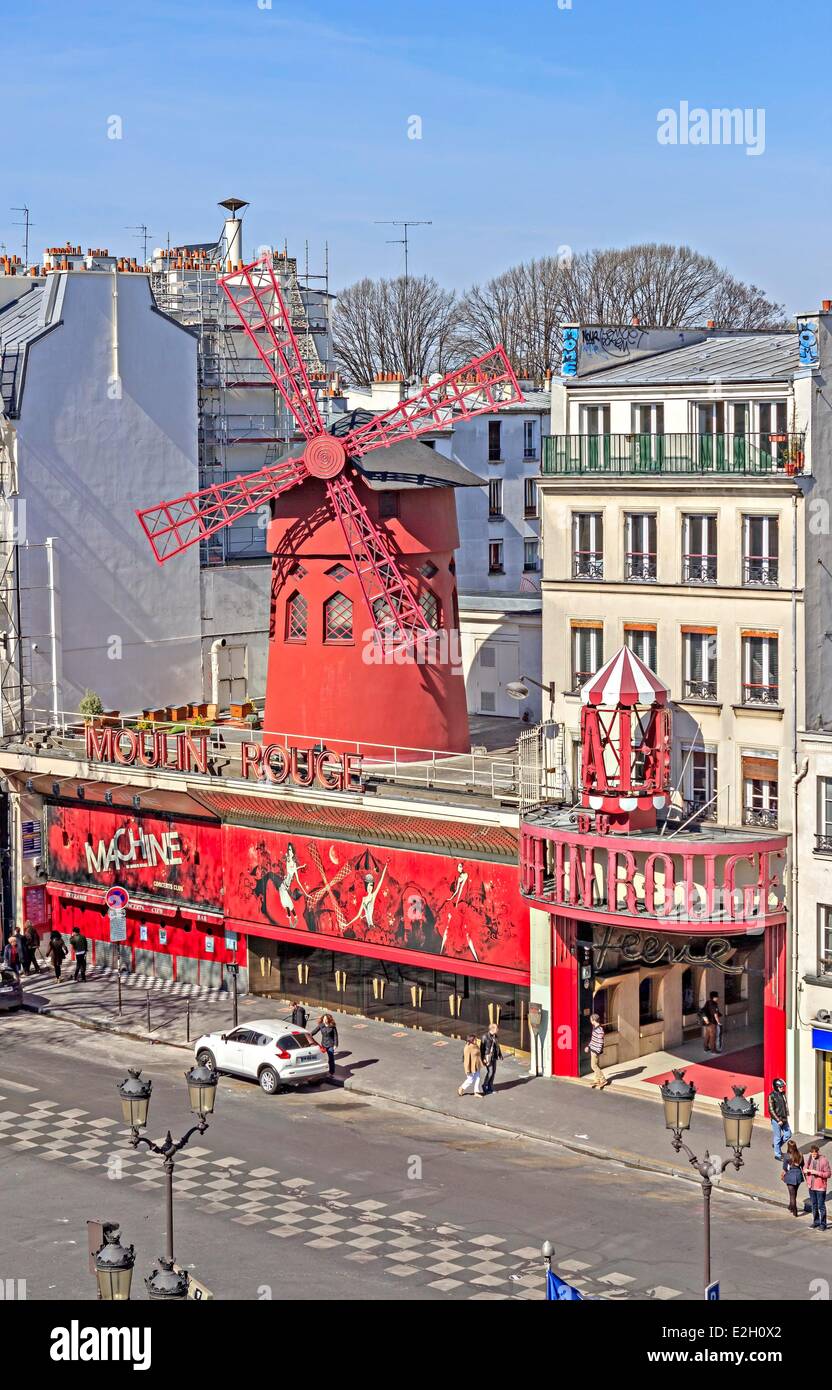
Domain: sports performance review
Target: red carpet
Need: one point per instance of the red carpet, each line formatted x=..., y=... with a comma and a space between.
x=716, y=1076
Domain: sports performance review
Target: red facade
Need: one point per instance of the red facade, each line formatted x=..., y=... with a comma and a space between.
x=191, y=878
x=328, y=676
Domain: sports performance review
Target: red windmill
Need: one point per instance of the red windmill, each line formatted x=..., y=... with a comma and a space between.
x=336, y=543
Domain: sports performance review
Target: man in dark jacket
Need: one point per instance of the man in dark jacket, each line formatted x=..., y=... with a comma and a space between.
x=712, y=1021
x=778, y=1110
x=491, y=1055
x=300, y=1017
x=31, y=945
x=329, y=1039
x=78, y=942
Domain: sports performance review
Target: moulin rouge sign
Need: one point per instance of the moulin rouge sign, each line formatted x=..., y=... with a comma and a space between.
x=272, y=763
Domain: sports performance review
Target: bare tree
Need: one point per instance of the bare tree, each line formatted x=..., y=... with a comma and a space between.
x=661, y=285
x=395, y=326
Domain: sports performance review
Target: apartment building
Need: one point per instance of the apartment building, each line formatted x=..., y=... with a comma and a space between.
x=673, y=492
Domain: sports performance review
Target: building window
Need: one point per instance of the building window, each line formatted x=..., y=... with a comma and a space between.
x=495, y=498
x=699, y=663
x=759, y=791
x=640, y=546
x=648, y=418
x=824, y=939
x=530, y=497
x=429, y=604
x=642, y=641
x=531, y=555
x=495, y=447
x=823, y=838
x=595, y=419
x=760, y=685
x=699, y=549
x=587, y=652
x=495, y=557
x=700, y=782
x=588, y=545
x=383, y=615
x=529, y=439
x=296, y=618
x=760, y=550
x=388, y=505
x=338, y=619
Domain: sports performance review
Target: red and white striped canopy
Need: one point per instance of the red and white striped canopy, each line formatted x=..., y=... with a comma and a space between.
x=624, y=680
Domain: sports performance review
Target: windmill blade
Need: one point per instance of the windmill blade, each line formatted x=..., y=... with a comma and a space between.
x=256, y=298
x=393, y=611
x=484, y=384
x=172, y=527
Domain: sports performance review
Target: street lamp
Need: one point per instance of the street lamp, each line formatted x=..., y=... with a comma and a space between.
x=114, y=1266
x=165, y=1282
x=519, y=690
x=738, y=1115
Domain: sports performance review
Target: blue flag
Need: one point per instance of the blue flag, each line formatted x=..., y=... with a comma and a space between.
x=557, y=1289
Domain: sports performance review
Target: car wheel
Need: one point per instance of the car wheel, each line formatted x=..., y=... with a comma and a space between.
x=269, y=1080
x=206, y=1058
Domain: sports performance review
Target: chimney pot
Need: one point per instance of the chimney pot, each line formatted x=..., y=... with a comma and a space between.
x=826, y=305
x=635, y=320
x=711, y=323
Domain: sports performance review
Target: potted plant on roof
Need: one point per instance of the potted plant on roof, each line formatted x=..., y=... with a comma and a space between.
x=90, y=707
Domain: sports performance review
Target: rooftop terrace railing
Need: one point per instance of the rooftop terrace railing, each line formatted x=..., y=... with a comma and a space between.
x=670, y=454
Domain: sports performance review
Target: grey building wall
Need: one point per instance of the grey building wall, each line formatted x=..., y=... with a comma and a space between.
x=90, y=454
x=818, y=516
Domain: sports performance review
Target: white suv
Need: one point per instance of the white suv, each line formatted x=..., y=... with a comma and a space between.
x=272, y=1052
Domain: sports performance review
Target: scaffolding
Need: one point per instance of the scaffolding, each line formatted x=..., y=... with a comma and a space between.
x=187, y=289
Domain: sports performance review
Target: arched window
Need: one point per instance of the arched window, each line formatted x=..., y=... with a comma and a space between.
x=296, y=618
x=338, y=619
x=429, y=604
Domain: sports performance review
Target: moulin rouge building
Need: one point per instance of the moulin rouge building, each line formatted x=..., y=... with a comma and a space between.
x=353, y=852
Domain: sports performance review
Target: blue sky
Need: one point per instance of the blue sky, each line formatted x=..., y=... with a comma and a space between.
x=539, y=129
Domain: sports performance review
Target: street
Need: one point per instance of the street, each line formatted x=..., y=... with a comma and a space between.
x=321, y=1194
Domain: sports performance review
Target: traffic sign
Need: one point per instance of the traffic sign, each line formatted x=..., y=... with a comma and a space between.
x=712, y=1292
x=118, y=924
x=117, y=897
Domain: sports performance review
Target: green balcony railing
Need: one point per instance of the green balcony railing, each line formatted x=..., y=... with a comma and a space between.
x=672, y=453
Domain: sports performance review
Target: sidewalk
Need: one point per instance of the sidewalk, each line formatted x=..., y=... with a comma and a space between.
x=423, y=1070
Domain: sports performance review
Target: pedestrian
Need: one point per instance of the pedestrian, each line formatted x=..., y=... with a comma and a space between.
x=12, y=954
x=793, y=1162
x=818, y=1172
x=595, y=1049
x=78, y=942
x=31, y=936
x=711, y=1020
x=57, y=950
x=300, y=1017
x=778, y=1109
x=471, y=1064
x=329, y=1039
x=490, y=1055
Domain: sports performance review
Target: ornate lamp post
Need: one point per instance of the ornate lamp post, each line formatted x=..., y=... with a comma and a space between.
x=165, y=1282
x=114, y=1266
x=737, y=1113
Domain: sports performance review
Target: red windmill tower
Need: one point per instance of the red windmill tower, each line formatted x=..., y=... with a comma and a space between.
x=338, y=548
x=625, y=754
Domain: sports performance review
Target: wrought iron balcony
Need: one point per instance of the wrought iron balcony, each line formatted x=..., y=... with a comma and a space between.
x=702, y=810
x=587, y=564
x=663, y=454
x=753, y=694
x=700, y=690
x=640, y=568
x=823, y=844
x=759, y=815
x=698, y=569
x=761, y=570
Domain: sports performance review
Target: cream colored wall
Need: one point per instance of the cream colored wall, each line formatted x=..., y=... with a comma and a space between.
x=814, y=889
x=727, y=726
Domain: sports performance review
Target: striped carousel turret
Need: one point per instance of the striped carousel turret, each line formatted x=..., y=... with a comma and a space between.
x=625, y=744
